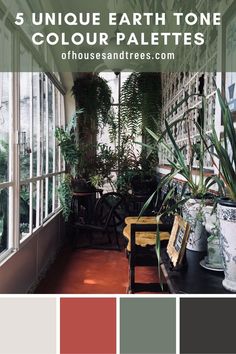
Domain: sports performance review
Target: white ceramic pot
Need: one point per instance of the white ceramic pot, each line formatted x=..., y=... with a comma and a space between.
x=226, y=212
x=192, y=212
x=214, y=257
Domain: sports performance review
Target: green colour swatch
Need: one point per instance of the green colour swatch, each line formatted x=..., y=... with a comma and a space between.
x=148, y=325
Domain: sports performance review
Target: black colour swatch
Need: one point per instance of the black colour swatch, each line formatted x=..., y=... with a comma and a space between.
x=208, y=326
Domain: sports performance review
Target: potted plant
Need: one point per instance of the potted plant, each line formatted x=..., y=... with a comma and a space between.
x=140, y=103
x=214, y=259
x=137, y=170
x=69, y=150
x=93, y=95
x=85, y=171
x=225, y=149
x=196, y=191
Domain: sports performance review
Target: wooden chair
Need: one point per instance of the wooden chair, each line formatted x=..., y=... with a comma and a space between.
x=108, y=215
x=141, y=235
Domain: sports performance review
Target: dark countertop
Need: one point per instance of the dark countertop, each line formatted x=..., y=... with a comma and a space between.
x=192, y=278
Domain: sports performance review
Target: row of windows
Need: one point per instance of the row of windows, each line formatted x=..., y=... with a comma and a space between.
x=31, y=107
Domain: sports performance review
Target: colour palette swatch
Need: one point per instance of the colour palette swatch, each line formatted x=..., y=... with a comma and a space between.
x=126, y=325
x=147, y=326
x=27, y=326
x=207, y=325
x=88, y=326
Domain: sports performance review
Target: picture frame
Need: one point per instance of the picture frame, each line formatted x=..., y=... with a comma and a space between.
x=178, y=240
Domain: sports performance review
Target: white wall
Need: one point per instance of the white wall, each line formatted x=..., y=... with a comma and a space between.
x=68, y=82
x=22, y=270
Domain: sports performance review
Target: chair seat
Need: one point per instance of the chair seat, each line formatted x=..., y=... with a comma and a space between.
x=140, y=220
x=144, y=239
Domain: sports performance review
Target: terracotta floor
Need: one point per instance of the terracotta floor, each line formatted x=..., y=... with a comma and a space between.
x=89, y=271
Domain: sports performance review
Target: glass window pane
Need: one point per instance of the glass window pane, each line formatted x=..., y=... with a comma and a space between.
x=36, y=119
x=57, y=124
x=24, y=210
x=44, y=203
x=50, y=126
x=25, y=116
x=50, y=194
x=45, y=126
x=4, y=219
x=34, y=204
x=4, y=126
x=57, y=182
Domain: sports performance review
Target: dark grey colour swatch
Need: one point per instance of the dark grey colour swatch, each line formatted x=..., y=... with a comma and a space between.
x=148, y=326
x=208, y=326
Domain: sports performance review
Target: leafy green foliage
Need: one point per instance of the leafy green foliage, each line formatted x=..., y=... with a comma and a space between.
x=93, y=94
x=67, y=142
x=140, y=103
x=226, y=149
x=82, y=163
x=3, y=160
x=65, y=195
x=198, y=187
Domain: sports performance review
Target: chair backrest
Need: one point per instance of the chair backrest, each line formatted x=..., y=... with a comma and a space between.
x=110, y=210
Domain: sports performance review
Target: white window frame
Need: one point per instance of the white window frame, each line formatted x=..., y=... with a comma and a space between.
x=14, y=183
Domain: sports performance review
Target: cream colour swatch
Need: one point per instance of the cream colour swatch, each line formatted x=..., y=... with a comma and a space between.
x=27, y=326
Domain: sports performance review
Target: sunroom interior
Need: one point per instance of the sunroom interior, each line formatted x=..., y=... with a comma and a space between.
x=128, y=146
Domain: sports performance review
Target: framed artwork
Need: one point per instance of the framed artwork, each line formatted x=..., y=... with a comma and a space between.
x=178, y=240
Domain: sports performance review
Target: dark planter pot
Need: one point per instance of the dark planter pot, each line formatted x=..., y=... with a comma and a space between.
x=143, y=184
x=80, y=185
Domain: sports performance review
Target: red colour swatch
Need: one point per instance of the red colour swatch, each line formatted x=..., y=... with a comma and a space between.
x=88, y=326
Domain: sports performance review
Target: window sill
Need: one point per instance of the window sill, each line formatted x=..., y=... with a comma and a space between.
x=28, y=238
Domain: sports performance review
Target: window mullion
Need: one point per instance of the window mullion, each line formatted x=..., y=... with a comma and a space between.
x=16, y=154
x=54, y=148
x=31, y=153
x=38, y=152
x=47, y=149
x=42, y=157
x=11, y=238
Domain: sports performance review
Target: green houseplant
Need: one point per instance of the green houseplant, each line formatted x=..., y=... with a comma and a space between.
x=85, y=171
x=196, y=188
x=69, y=150
x=140, y=103
x=226, y=153
x=93, y=95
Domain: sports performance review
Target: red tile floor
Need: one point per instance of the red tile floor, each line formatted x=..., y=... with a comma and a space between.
x=92, y=271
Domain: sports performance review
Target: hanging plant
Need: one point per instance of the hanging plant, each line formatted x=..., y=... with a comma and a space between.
x=93, y=94
x=140, y=103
